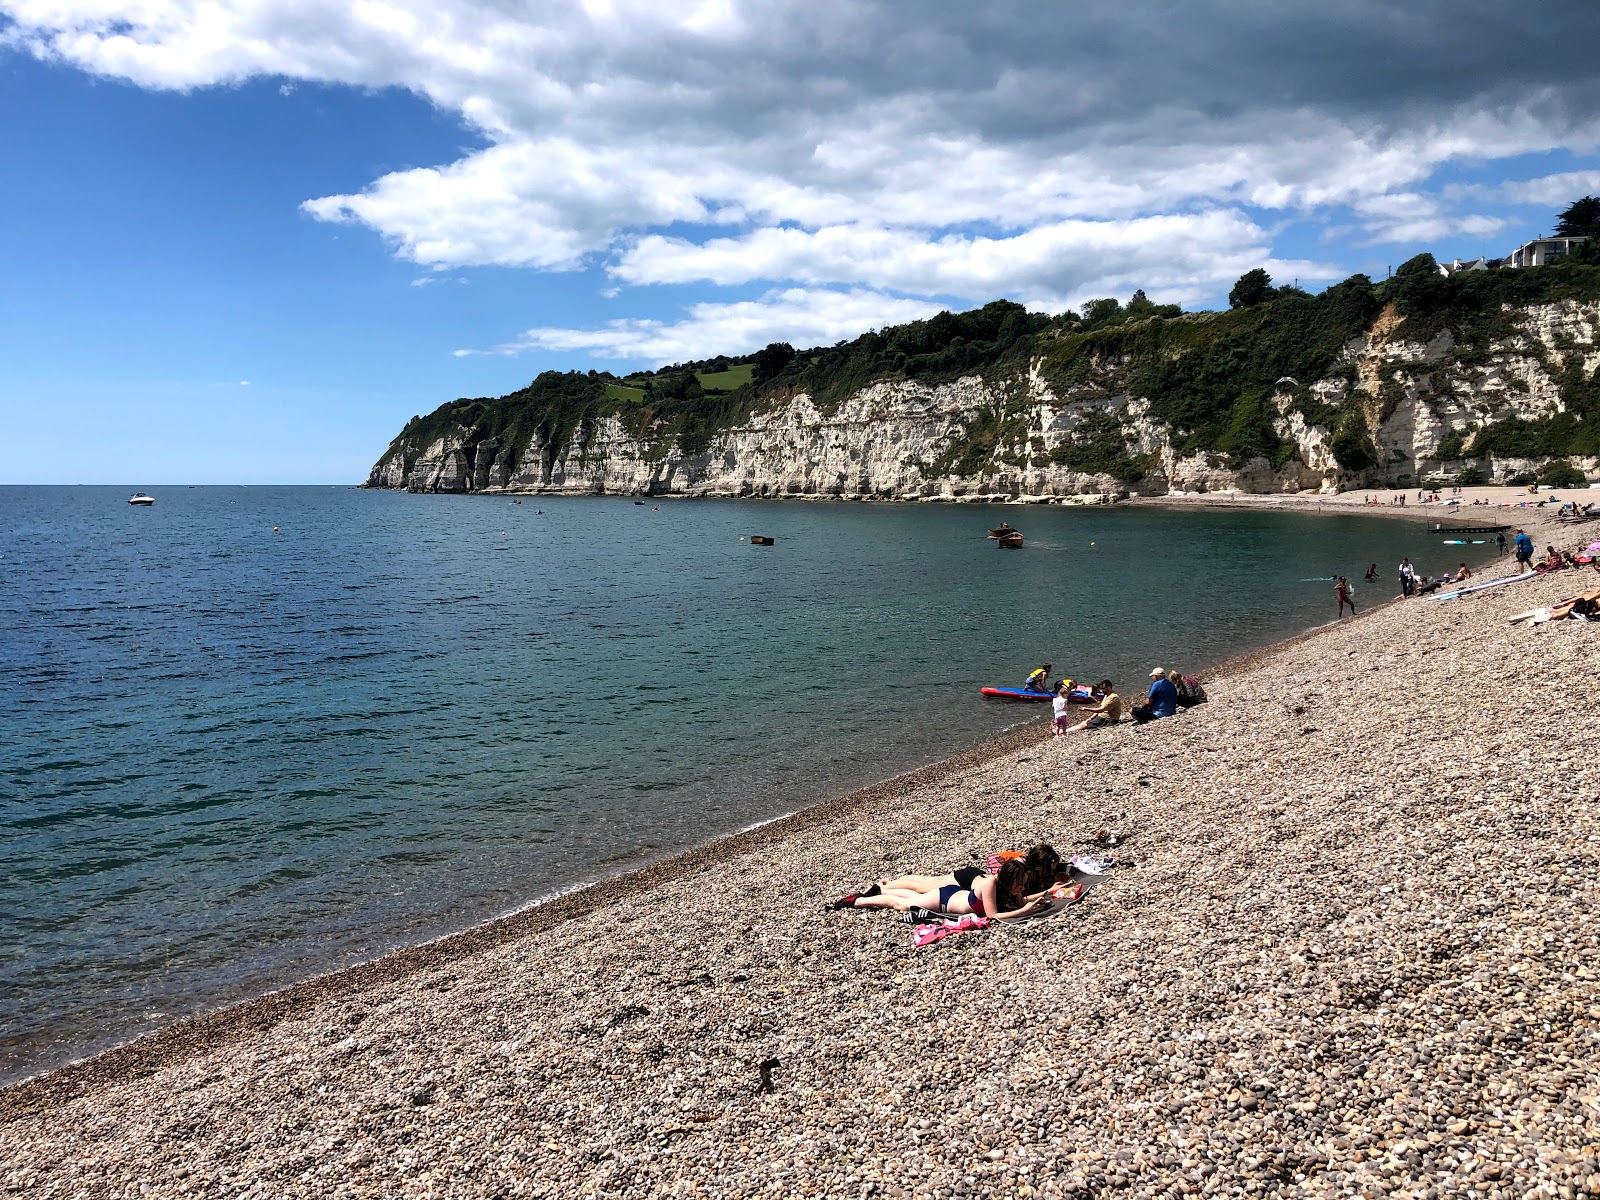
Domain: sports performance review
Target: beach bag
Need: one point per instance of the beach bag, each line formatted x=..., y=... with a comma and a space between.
x=1001, y=857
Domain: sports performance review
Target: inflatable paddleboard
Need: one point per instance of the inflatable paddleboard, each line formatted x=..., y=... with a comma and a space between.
x=1077, y=696
x=1493, y=583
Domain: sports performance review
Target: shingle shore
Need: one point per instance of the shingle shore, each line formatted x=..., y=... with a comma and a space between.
x=1358, y=954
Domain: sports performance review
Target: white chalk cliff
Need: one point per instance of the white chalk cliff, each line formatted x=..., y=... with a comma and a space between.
x=898, y=439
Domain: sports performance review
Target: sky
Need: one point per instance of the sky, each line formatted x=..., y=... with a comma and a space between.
x=243, y=241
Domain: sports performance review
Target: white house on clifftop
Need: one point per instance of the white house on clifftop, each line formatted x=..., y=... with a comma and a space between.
x=1542, y=250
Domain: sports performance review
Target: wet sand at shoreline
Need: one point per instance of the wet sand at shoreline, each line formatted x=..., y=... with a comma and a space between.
x=1358, y=949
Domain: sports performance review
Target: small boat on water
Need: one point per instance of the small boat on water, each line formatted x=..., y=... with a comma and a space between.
x=141, y=498
x=1003, y=531
x=757, y=540
x=1011, y=541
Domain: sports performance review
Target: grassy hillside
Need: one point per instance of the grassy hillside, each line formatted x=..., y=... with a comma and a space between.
x=1210, y=376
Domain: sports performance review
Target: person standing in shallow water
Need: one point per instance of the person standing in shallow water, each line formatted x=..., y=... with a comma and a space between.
x=1500, y=543
x=1408, y=577
x=1342, y=590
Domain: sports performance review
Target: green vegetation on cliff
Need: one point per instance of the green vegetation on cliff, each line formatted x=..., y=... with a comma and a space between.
x=1211, y=377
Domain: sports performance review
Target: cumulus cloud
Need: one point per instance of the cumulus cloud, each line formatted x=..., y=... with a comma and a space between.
x=804, y=316
x=1415, y=218
x=1018, y=147
x=1178, y=258
x=1556, y=191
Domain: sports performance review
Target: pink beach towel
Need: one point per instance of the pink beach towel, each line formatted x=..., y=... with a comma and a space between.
x=927, y=935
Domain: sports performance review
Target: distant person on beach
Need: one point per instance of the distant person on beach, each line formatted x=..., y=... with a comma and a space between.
x=1038, y=680
x=1408, y=577
x=1524, y=553
x=1500, y=543
x=1107, y=712
x=999, y=897
x=1462, y=574
x=1341, y=589
x=1161, y=701
x=1062, y=707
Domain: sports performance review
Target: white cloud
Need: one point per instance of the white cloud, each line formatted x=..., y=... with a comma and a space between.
x=1556, y=191
x=244, y=383
x=1414, y=218
x=1182, y=257
x=1029, y=149
x=803, y=316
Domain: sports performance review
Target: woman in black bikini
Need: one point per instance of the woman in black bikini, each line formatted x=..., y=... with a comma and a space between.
x=969, y=890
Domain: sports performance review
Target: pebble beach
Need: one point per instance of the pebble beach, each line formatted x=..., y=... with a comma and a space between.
x=1353, y=949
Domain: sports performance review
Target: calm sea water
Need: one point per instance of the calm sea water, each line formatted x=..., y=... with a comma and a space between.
x=255, y=733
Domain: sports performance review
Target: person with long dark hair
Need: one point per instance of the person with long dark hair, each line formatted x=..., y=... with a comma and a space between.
x=999, y=897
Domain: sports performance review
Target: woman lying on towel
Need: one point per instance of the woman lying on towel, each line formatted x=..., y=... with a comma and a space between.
x=969, y=890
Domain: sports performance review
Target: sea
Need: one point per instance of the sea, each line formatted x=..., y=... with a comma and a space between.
x=253, y=734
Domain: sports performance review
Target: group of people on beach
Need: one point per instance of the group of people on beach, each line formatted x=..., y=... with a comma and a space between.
x=1416, y=583
x=1169, y=691
x=1010, y=884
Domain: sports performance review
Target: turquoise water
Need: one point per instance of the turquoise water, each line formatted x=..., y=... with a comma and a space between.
x=237, y=755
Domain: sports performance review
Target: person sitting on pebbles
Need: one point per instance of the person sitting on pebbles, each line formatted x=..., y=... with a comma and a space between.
x=999, y=897
x=1107, y=712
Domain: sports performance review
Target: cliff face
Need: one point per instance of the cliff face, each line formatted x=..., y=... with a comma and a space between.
x=1416, y=404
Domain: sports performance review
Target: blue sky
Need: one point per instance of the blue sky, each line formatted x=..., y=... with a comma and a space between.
x=246, y=248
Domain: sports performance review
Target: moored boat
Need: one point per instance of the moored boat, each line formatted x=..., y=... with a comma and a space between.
x=757, y=540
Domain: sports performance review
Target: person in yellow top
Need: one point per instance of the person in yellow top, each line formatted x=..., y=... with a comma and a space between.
x=1107, y=712
x=1039, y=680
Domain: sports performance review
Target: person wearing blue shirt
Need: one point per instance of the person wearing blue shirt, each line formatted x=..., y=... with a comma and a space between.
x=1524, y=553
x=1162, y=700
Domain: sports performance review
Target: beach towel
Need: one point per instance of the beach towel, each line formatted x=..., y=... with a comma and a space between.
x=937, y=931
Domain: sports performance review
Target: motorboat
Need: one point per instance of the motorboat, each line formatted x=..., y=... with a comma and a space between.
x=141, y=498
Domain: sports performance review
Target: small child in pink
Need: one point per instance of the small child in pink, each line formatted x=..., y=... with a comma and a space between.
x=1062, y=708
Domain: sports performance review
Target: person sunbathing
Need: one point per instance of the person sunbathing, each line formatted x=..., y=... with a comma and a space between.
x=999, y=897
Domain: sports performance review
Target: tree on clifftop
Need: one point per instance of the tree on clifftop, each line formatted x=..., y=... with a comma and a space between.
x=770, y=362
x=1254, y=287
x=1581, y=218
